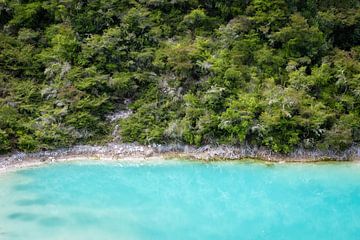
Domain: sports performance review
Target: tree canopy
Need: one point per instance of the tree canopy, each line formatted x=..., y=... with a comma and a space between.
x=281, y=74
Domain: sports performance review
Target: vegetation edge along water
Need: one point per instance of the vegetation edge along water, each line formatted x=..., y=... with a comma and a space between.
x=279, y=75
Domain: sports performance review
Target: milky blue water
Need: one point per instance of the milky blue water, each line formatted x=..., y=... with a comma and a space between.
x=181, y=200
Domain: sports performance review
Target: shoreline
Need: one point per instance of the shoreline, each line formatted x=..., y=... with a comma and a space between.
x=136, y=152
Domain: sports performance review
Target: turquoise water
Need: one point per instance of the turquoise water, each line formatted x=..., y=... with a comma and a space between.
x=181, y=200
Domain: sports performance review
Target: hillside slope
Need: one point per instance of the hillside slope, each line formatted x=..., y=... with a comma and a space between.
x=276, y=73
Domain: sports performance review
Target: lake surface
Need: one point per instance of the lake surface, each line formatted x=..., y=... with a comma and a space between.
x=181, y=200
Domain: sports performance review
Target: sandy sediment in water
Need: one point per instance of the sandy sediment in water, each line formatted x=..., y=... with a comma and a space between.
x=135, y=152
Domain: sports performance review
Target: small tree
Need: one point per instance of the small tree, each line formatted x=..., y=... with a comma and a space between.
x=193, y=21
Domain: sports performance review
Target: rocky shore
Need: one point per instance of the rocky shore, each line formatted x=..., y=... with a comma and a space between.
x=137, y=152
x=207, y=153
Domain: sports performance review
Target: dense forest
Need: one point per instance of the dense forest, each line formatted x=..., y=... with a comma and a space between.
x=282, y=74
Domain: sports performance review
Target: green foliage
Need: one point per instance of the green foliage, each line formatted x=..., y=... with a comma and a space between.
x=239, y=117
x=281, y=74
x=30, y=15
x=195, y=20
x=17, y=58
x=27, y=142
x=146, y=125
x=342, y=26
x=299, y=40
x=4, y=142
x=269, y=15
x=63, y=44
